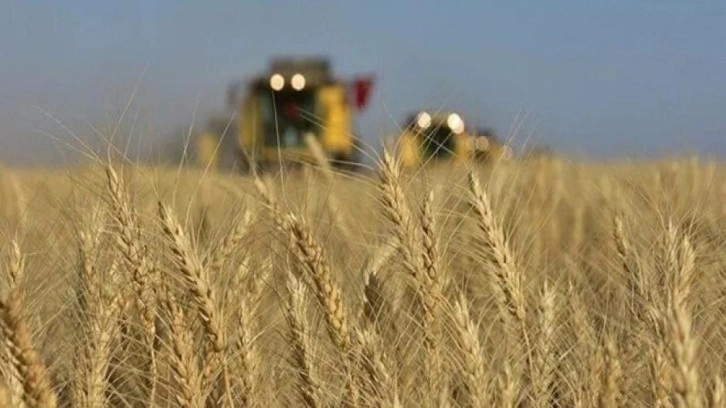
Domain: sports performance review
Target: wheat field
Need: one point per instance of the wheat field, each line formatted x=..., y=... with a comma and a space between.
x=532, y=283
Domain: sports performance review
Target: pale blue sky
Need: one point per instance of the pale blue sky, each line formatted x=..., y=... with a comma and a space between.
x=592, y=77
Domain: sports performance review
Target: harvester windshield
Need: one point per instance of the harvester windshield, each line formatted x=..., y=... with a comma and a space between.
x=287, y=116
x=437, y=134
x=438, y=142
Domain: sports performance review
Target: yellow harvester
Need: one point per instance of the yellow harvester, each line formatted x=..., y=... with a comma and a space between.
x=432, y=138
x=296, y=99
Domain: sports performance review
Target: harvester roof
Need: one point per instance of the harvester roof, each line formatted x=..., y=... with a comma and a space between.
x=424, y=120
x=315, y=70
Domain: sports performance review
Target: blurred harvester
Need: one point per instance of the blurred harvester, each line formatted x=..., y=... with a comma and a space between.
x=281, y=111
x=437, y=138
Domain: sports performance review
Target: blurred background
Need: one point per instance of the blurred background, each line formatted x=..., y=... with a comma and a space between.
x=596, y=79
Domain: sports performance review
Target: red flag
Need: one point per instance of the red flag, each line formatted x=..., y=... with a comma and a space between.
x=363, y=87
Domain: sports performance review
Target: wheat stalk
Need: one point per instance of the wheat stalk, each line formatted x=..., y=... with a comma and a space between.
x=507, y=275
x=397, y=211
x=507, y=388
x=247, y=362
x=15, y=271
x=377, y=310
x=37, y=391
x=543, y=353
x=660, y=376
x=498, y=252
x=197, y=284
x=271, y=201
x=186, y=260
x=431, y=295
x=326, y=169
x=135, y=254
x=377, y=368
x=633, y=273
x=15, y=266
x=299, y=340
x=681, y=344
x=311, y=257
x=686, y=386
x=328, y=292
x=229, y=243
x=101, y=312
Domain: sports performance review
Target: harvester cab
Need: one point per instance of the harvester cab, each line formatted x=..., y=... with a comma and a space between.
x=296, y=103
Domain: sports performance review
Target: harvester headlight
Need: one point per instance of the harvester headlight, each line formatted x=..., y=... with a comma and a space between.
x=455, y=123
x=277, y=82
x=298, y=82
x=423, y=120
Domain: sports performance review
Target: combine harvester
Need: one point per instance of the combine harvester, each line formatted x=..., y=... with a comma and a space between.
x=288, y=112
x=444, y=138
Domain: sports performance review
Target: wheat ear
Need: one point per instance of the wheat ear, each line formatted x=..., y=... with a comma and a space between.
x=15, y=270
x=506, y=273
x=135, y=254
x=397, y=211
x=680, y=341
x=611, y=375
x=473, y=356
x=431, y=294
x=229, y=243
x=197, y=284
x=543, y=353
x=247, y=362
x=377, y=369
x=37, y=392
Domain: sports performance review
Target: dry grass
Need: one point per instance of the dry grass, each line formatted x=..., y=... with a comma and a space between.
x=538, y=283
